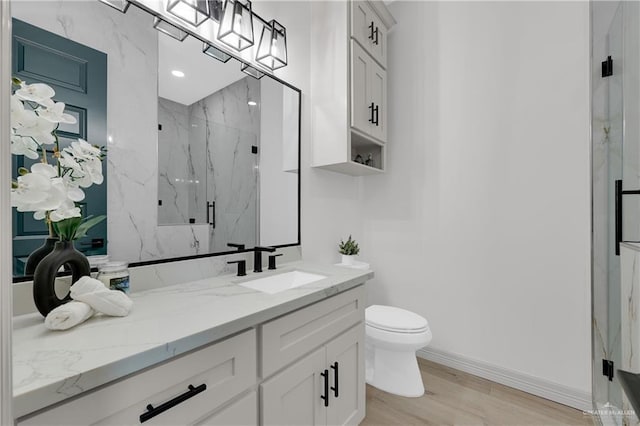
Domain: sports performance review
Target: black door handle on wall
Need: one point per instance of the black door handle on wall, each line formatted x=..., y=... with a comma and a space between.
x=618, y=215
x=618, y=211
x=334, y=388
x=154, y=411
x=211, y=218
x=325, y=397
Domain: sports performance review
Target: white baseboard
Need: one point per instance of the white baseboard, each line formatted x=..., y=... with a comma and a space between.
x=530, y=384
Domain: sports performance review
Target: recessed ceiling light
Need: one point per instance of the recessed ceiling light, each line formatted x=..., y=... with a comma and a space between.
x=252, y=103
x=177, y=73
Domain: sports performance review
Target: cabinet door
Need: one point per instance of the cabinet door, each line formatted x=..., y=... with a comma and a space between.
x=377, y=88
x=346, y=352
x=369, y=31
x=361, y=103
x=292, y=397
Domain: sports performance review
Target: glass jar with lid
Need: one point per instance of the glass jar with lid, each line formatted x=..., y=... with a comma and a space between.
x=114, y=275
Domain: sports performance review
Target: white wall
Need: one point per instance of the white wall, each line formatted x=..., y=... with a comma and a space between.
x=481, y=223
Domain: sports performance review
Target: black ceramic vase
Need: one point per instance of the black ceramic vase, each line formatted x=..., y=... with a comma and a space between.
x=44, y=277
x=39, y=254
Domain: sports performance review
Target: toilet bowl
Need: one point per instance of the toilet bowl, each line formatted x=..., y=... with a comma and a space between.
x=393, y=336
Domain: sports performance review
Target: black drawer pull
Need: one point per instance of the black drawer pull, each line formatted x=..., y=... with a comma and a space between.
x=325, y=375
x=335, y=379
x=193, y=391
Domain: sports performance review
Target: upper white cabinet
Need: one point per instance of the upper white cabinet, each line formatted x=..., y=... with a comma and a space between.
x=349, y=86
x=369, y=31
x=368, y=95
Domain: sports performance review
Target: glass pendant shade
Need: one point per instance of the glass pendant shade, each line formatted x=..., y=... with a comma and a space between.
x=169, y=29
x=195, y=12
x=236, y=25
x=215, y=53
x=272, y=49
x=248, y=69
x=121, y=5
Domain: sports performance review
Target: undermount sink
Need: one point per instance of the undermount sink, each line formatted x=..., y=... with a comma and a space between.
x=280, y=282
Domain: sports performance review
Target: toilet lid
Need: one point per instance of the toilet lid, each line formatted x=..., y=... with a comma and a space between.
x=394, y=319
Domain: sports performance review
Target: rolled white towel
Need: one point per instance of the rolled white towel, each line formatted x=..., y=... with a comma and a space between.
x=95, y=294
x=68, y=315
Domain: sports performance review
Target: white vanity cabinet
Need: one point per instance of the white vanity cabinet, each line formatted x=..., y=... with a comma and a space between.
x=305, y=367
x=326, y=384
x=193, y=387
x=349, y=86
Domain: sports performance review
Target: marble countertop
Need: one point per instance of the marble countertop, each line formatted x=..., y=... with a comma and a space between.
x=50, y=366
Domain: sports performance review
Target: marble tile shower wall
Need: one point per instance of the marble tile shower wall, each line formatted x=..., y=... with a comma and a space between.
x=231, y=127
x=176, y=177
x=131, y=45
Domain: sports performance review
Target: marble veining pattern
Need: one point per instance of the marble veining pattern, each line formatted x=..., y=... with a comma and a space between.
x=131, y=45
x=51, y=366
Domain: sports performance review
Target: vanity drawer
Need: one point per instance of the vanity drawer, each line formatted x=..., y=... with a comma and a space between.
x=289, y=337
x=226, y=369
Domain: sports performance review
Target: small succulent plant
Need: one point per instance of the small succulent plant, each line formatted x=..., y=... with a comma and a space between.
x=349, y=248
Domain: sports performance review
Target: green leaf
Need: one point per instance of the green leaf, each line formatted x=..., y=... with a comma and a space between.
x=88, y=223
x=66, y=228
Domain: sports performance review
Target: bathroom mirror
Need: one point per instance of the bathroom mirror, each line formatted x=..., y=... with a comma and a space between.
x=256, y=196
x=227, y=150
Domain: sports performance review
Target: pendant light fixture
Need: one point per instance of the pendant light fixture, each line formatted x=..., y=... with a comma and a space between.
x=194, y=12
x=248, y=69
x=169, y=29
x=236, y=25
x=272, y=49
x=121, y=5
x=209, y=50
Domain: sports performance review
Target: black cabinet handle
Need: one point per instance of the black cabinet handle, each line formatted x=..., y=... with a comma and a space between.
x=373, y=33
x=325, y=376
x=335, y=379
x=376, y=122
x=154, y=411
x=371, y=108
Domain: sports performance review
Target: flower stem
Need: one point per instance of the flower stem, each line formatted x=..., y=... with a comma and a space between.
x=52, y=234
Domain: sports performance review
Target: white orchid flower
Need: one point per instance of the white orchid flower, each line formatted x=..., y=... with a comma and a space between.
x=37, y=92
x=84, y=149
x=40, y=190
x=83, y=163
x=19, y=115
x=55, y=114
x=66, y=210
x=21, y=145
x=39, y=129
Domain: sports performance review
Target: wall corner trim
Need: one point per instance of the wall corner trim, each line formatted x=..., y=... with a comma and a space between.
x=540, y=387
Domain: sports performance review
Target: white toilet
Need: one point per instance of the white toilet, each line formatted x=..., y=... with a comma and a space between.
x=393, y=336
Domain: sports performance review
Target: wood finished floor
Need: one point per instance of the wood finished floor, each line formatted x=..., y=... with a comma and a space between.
x=456, y=398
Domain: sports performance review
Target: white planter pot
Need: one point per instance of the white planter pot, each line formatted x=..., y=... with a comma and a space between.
x=348, y=259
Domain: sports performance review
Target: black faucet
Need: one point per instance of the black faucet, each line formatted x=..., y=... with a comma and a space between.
x=242, y=267
x=257, y=257
x=272, y=260
x=240, y=247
